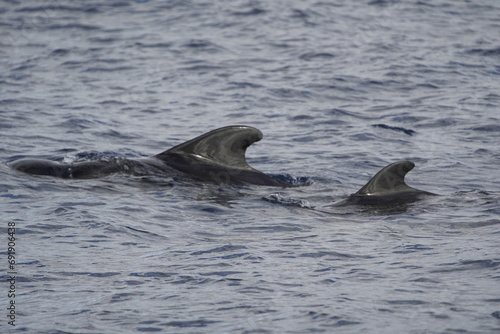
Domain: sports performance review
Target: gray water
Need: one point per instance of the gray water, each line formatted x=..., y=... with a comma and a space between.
x=339, y=88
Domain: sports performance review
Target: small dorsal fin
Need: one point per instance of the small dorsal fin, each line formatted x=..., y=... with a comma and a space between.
x=224, y=146
x=391, y=179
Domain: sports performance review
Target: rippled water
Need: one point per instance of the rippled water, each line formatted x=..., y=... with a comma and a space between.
x=339, y=88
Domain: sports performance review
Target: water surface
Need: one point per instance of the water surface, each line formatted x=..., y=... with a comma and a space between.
x=339, y=89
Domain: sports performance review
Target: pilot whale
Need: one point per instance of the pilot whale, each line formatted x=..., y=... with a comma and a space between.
x=217, y=156
x=387, y=187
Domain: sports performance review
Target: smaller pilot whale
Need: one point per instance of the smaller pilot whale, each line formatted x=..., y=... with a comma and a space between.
x=387, y=187
x=217, y=156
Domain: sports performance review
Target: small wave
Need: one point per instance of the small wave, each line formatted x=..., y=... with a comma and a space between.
x=332, y=254
x=105, y=274
x=149, y=329
x=20, y=101
x=250, y=12
x=293, y=180
x=467, y=265
x=48, y=8
x=411, y=249
x=342, y=112
x=409, y=132
x=77, y=123
x=73, y=63
x=201, y=43
x=156, y=274
x=222, y=249
x=243, y=85
x=315, y=55
x=106, y=102
x=96, y=156
x=269, y=229
x=302, y=117
x=222, y=273
x=382, y=2
x=190, y=324
x=406, y=302
x=484, y=52
x=202, y=68
x=109, y=69
x=290, y=93
x=487, y=128
x=287, y=201
x=105, y=40
x=60, y=52
x=153, y=45
x=342, y=323
x=86, y=27
x=116, y=134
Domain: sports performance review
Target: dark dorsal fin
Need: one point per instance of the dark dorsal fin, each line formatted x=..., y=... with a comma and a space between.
x=225, y=146
x=391, y=179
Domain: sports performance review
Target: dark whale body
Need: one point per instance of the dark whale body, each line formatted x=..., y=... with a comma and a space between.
x=387, y=187
x=217, y=156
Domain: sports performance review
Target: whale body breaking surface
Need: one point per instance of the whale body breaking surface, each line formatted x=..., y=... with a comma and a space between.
x=218, y=157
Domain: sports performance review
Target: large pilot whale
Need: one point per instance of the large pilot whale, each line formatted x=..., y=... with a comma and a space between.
x=217, y=156
x=387, y=187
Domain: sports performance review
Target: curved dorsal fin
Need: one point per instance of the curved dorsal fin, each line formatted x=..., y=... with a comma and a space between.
x=391, y=179
x=225, y=146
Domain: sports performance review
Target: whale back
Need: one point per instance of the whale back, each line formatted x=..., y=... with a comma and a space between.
x=387, y=187
x=219, y=156
x=225, y=147
x=389, y=180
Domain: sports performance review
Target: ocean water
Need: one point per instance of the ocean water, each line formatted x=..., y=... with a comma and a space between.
x=339, y=88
